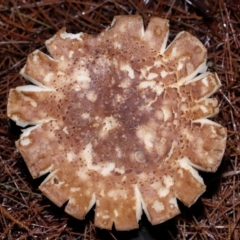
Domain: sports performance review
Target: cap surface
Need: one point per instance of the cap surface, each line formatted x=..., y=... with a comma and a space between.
x=120, y=121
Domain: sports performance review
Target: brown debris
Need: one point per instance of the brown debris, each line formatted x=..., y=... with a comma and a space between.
x=25, y=26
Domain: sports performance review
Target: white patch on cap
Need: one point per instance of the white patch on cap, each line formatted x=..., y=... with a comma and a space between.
x=107, y=168
x=180, y=66
x=65, y=130
x=25, y=141
x=83, y=81
x=109, y=123
x=174, y=53
x=146, y=136
x=85, y=115
x=70, y=156
x=159, y=114
x=82, y=77
x=163, y=192
x=75, y=189
x=125, y=83
x=35, y=55
x=87, y=155
x=167, y=113
x=48, y=77
x=158, y=88
x=158, y=206
x=117, y=45
x=92, y=96
x=60, y=73
x=70, y=54
x=151, y=76
x=127, y=67
x=82, y=174
x=115, y=213
x=118, y=152
x=119, y=98
x=168, y=182
x=117, y=194
x=123, y=178
x=163, y=73
x=146, y=84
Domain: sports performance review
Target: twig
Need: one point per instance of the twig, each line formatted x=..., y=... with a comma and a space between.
x=13, y=219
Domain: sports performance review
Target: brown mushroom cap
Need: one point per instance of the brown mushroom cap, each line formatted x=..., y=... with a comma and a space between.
x=120, y=121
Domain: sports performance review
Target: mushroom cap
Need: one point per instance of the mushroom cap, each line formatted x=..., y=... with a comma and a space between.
x=120, y=121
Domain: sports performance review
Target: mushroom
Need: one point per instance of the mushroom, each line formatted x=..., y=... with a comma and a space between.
x=119, y=121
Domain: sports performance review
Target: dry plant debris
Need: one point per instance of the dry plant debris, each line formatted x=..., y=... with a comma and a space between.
x=25, y=25
x=120, y=121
